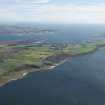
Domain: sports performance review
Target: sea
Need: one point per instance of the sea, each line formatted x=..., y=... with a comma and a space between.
x=78, y=81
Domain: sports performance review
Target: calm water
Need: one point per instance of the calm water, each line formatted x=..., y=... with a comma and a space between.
x=79, y=81
x=62, y=32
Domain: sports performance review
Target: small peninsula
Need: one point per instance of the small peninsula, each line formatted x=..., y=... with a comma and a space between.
x=18, y=58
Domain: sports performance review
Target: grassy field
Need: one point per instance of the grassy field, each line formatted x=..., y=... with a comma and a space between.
x=75, y=49
x=17, y=59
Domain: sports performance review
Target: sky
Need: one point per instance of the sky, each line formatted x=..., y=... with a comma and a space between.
x=66, y=11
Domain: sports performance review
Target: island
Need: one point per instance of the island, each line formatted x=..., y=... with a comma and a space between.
x=18, y=58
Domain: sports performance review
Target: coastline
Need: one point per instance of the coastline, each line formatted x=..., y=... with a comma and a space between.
x=25, y=73
x=21, y=74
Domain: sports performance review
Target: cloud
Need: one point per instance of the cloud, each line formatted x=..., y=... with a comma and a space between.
x=74, y=13
x=22, y=2
x=68, y=13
